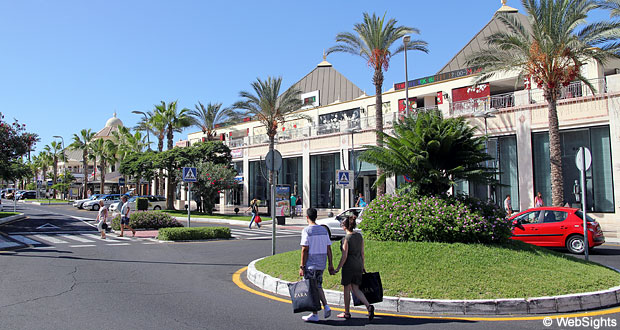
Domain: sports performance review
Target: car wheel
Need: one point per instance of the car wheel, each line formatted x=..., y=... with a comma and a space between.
x=157, y=207
x=95, y=207
x=575, y=244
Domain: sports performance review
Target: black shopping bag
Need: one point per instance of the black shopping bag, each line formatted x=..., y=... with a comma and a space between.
x=305, y=296
x=371, y=287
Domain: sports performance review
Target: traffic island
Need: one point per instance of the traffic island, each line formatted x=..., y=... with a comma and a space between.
x=471, y=279
x=7, y=217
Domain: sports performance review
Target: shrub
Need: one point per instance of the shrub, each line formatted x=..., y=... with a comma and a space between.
x=436, y=219
x=149, y=219
x=195, y=233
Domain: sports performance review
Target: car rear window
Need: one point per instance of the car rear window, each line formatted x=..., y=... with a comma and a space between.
x=580, y=215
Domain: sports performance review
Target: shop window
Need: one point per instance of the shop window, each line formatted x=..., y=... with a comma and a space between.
x=323, y=192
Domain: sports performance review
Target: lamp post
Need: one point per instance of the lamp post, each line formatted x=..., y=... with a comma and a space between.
x=406, y=40
x=64, y=161
x=146, y=118
x=487, y=113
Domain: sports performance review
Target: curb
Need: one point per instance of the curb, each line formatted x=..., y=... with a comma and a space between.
x=221, y=221
x=12, y=218
x=537, y=305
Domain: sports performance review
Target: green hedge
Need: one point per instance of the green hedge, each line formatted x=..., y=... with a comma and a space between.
x=149, y=219
x=194, y=233
x=447, y=219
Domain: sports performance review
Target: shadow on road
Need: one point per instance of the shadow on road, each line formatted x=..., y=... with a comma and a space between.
x=362, y=321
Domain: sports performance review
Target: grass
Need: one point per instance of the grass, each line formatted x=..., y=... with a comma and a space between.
x=196, y=233
x=463, y=271
x=7, y=214
x=195, y=214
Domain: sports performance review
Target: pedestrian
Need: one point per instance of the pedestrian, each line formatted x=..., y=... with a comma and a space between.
x=293, y=206
x=88, y=193
x=102, y=219
x=315, y=251
x=125, y=217
x=538, y=201
x=352, y=265
x=360, y=201
x=508, y=206
x=254, y=208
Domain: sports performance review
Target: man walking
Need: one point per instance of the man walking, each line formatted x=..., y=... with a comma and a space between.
x=125, y=217
x=293, y=206
x=315, y=251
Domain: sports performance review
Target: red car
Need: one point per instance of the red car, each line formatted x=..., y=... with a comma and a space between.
x=556, y=227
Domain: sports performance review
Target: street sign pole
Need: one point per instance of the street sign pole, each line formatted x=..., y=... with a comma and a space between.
x=189, y=203
x=273, y=205
x=582, y=152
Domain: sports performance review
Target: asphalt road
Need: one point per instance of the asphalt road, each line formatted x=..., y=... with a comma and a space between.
x=148, y=285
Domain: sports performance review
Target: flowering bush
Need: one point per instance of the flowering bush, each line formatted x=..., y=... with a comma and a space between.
x=437, y=219
x=152, y=219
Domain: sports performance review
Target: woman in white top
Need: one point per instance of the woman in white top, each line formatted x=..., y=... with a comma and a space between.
x=102, y=219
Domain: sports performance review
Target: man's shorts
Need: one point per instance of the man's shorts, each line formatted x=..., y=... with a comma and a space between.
x=125, y=221
x=316, y=274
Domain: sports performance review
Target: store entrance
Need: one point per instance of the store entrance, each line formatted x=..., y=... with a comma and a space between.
x=363, y=184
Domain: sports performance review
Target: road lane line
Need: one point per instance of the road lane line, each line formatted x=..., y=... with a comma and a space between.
x=25, y=240
x=236, y=278
x=243, y=233
x=98, y=237
x=77, y=238
x=83, y=245
x=50, y=239
x=117, y=244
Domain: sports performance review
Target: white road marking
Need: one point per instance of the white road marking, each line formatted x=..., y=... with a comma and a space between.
x=50, y=239
x=77, y=238
x=25, y=240
x=83, y=245
x=238, y=232
x=268, y=237
x=117, y=244
x=98, y=237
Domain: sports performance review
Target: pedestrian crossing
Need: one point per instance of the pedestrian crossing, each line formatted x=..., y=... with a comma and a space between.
x=262, y=233
x=78, y=240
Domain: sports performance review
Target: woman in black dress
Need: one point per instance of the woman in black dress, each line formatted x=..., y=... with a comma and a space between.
x=352, y=265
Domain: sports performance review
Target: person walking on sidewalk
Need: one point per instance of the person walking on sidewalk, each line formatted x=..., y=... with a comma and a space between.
x=125, y=217
x=538, y=200
x=254, y=208
x=315, y=251
x=102, y=219
x=293, y=206
x=352, y=265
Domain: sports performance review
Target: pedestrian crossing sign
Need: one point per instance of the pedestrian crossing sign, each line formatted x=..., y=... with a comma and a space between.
x=189, y=174
x=344, y=179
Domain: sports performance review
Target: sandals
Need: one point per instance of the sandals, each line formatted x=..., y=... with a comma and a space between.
x=344, y=315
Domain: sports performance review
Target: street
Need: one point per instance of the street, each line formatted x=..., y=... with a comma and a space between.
x=140, y=283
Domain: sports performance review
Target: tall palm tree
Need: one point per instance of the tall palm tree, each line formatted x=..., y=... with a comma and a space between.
x=551, y=53
x=157, y=123
x=612, y=5
x=207, y=118
x=269, y=107
x=376, y=41
x=81, y=142
x=55, y=152
x=103, y=151
x=175, y=121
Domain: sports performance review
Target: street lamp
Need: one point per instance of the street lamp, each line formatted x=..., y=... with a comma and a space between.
x=146, y=118
x=64, y=161
x=486, y=113
x=406, y=40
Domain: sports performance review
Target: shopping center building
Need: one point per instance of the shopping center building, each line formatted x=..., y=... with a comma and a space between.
x=513, y=114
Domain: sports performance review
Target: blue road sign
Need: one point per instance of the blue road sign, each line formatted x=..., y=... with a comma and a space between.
x=189, y=174
x=121, y=182
x=344, y=179
x=49, y=183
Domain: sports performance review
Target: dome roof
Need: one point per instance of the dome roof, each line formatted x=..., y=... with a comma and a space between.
x=113, y=121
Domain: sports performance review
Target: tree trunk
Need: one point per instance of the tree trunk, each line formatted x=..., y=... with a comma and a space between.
x=555, y=151
x=102, y=175
x=272, y=177
x=55, y=175
x=378, y=82
x=171, y=191
x=85, y=167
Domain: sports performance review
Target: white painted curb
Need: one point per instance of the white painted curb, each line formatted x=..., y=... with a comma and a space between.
x=538, y=305
x=12, y=218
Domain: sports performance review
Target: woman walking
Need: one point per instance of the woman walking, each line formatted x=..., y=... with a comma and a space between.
x=352, y=265
x=254, y=208
x=102, y=219
x=538, y=201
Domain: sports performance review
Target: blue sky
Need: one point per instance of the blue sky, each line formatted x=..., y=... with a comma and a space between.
x=67, y=65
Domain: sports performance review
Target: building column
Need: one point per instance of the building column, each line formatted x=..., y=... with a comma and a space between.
x=525, y=165
x=345, y=149
x=306, y=175
x=390, y=185
x=245, y=199
x=613, y=104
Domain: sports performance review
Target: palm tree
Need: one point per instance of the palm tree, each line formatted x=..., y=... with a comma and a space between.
x=81, y=142
x=612, y=5
x=157, y=123
x=376, y=41
x=55, y=152
x=269, y=107
x=551, y=53
x=209, y=117
x=102, y=150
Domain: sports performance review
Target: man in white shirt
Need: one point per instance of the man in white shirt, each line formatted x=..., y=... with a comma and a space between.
x=315, y=251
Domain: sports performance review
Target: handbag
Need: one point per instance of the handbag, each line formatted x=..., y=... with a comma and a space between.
x=371, y=287
x=305, y=296
x=258, y=219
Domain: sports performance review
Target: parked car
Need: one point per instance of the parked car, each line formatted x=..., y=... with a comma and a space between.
x=107, y=200
x=332, y=224
x=1, y=207
x=556, y=227
x=79, y=203
x=30, y=194
x=5, y=192
x=155, y=203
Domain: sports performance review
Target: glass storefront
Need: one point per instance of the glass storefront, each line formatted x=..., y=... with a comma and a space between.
x=292, y=174
x=234, y=195
x=599, y=179
x=323, y=192
x=365, y=177
x=258, y=184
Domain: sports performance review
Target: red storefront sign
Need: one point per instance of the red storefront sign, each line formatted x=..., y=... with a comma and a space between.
x=439, y=97
x=412, y=103
x=471, y=92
